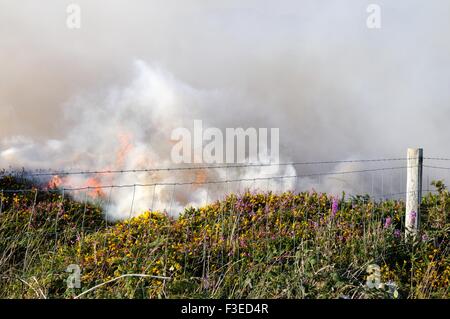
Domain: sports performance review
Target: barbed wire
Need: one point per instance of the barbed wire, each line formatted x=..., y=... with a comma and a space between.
x=189, y=168
x=215, y=181
x=404, y=193
x=437, y=158
x=437, y=167
x=374, y=197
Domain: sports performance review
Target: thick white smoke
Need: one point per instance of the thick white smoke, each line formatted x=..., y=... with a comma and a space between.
x=335, y=88
x=130, y=129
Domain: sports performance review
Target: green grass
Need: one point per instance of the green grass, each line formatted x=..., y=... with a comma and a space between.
x=254, y=245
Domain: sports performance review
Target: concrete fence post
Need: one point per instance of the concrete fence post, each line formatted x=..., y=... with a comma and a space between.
x=413, y=191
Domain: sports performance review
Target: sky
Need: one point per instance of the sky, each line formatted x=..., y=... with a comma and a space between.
x=312, y=68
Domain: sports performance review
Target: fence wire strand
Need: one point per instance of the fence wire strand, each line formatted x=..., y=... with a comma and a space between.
x=200, y=167
x=282, y=177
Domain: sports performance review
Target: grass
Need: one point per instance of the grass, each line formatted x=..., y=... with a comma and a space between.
x=252, y=245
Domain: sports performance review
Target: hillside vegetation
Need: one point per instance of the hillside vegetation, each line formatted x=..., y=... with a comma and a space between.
x=251, y=245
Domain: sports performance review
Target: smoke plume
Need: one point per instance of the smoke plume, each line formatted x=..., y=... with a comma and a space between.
x=108, y=95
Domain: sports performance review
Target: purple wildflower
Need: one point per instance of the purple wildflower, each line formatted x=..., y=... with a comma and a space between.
x=334, y=207
x=397, y=233
x=388, y=222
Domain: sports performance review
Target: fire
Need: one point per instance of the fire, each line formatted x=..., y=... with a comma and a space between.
x=54, y=182
x=92, y=183
x=125, y=146
x=200, y=177
x=95, y=184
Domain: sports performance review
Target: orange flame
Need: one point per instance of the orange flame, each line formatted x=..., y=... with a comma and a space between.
x=94, y=183
x=125, y=146
x=54, y=182
x=200, y=177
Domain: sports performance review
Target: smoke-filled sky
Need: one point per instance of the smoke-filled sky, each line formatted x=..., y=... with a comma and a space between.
x=312, y=68
x=335, y=88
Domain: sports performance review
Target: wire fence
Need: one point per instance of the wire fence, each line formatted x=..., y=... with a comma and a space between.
x=363, y=184
x=386, y=182
x=49, y=172
x=370, y=181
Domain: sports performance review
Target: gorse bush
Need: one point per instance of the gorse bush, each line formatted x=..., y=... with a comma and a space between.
x=252, y=245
